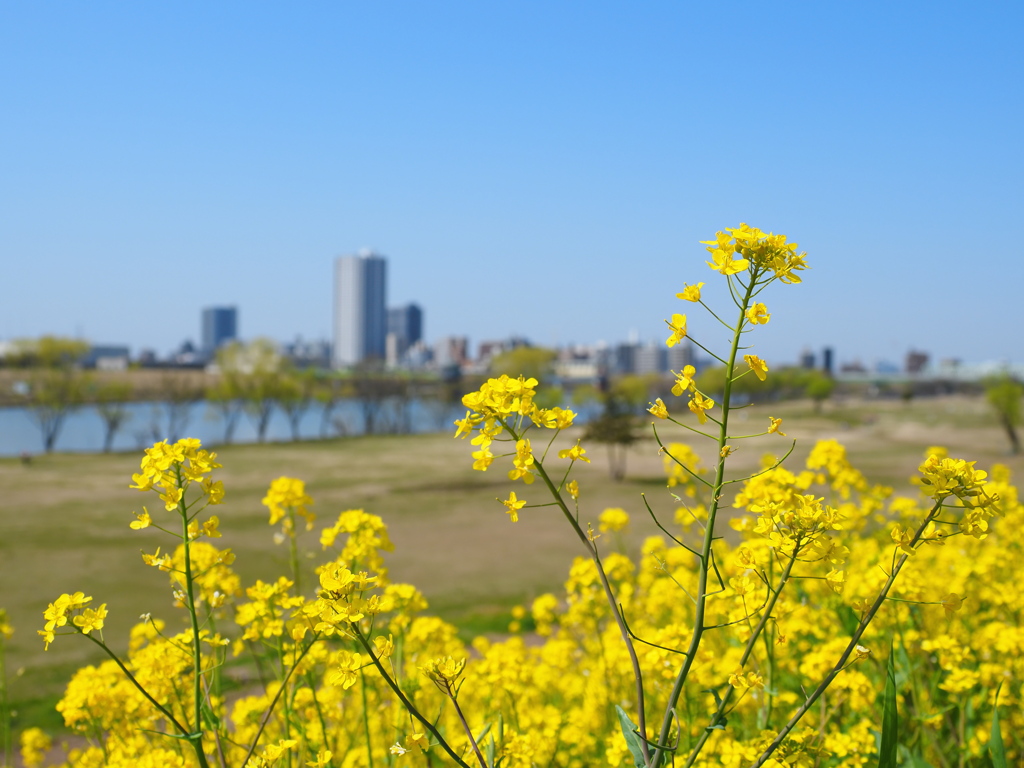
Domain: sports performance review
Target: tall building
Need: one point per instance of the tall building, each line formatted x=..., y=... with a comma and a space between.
x=406, y=323
x=360, y=317
x=220, y=325
x=405, y=328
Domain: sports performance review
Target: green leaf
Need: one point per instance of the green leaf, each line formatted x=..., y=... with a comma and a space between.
x=849, y=619
x=995, y=742
x=890, y=718
x=629, y=730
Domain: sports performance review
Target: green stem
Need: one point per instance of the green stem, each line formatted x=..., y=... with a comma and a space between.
x=716, y=718
x=273, y=703
x=197, y=663
x=612, y=603
x=709, y=538
x=131, y=678
x=293, y=552
x=465, y=727
x=409, y=706
x=366, y=719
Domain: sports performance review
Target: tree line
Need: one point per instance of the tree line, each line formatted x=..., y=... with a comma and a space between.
x=252, y=380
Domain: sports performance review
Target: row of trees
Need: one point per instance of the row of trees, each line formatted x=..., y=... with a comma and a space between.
x=255, y=380
x=252, y=379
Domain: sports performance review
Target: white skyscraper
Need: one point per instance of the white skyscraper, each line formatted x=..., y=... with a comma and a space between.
x=360, y=315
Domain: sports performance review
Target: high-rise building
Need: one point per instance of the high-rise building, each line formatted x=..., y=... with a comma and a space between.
x=405, y=328
x=220, y=325
x=360, y=317
x=406, y=323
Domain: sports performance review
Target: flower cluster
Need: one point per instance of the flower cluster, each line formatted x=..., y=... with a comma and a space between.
x=83, y=619
x=287, y=494
x=764, y=251
x=171, y=469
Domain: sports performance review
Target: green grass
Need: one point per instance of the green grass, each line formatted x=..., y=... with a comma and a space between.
x=66, y=518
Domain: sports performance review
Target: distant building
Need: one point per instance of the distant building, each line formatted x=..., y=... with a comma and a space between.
x=650, y=358
x=360, y=316
x=826, y=361
x=916, y=362
x=680, y=356
x=308, y=354
x=405, y=328
x=451, y=351
x=807, y=359
x=220, y=325
x=623, y=357
x=106, y=358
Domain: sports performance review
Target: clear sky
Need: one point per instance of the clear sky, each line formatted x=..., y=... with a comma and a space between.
x=533, y=168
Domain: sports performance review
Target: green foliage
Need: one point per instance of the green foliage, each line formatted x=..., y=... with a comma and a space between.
x=819, y=387
x=254, y=371
x=890, y=718
x=531, y=362
x=48, y=352
x=1004, y=395
x=618, y=426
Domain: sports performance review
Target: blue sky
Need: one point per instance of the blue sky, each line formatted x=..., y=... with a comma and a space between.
x=531, y=168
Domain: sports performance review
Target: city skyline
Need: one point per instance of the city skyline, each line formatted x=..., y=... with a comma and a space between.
x=533, y=171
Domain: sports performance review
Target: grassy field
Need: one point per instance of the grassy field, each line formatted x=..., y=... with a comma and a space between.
x=66, y=517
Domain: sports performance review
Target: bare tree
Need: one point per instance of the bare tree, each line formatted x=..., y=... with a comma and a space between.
x=56, y=383
x=111, y=401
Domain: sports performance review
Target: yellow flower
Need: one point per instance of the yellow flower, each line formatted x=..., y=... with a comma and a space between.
x=757, y=365
x=210, y=527
x=514, y=505
x=836, y=580
x=952, y=603
x=556, y=418
x=613, y=519
x=684, y=380
x=743, y=681
x=323, y=759
x=575, y=453
x=287, y=493
x=385, y=646
x=727, y=451
x=573, y=488
x=90, y=619
x=144, y=520
x=678, y=326
x=758, y=314
x=214, y=491
x=482, y=459
x=274, y=751
x=34, y=746
x=903, y=537
x=523, y=462
x=725, y=263
x=775, y=424
x=443, y=672
x=690, y=292
x=698, y=404
x=658, y=409
x=347, y=672
x=419, y=739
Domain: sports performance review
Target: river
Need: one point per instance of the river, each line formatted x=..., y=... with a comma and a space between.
x=83, y=430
